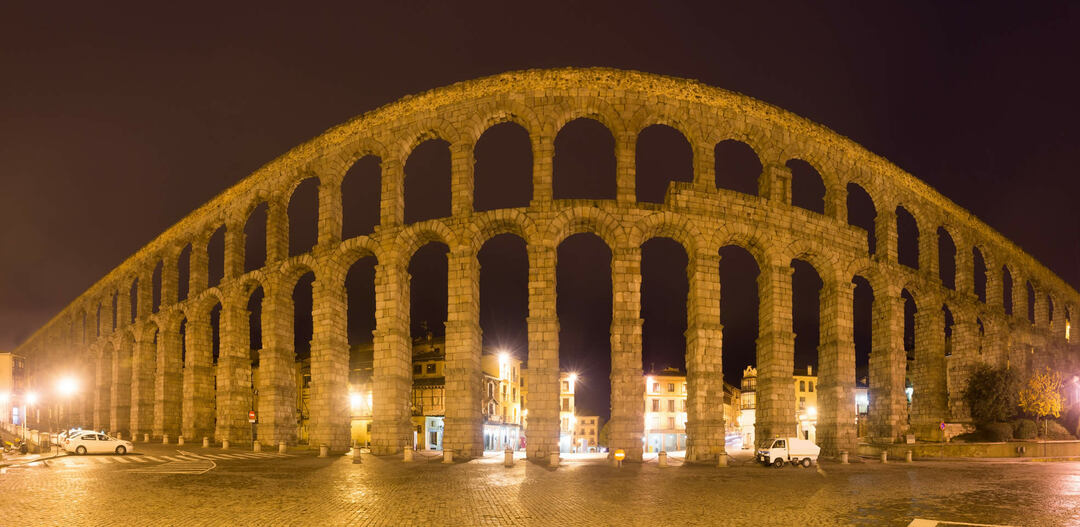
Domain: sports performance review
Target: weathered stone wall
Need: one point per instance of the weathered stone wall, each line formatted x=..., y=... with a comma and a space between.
x=120, y=356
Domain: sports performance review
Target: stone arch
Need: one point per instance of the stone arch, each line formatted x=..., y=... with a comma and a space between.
x=503, y=111
x=586, y=219
x=826, y=266
x=291, y=271
x=596, y=150
x=908, y=237
x=487, y=226
x=806, y=180
x=948, y=256
x=752, y=242
x=503, y=167
x=667, y=225
x=352, y=150
x=677, y=150
x=557, y=117
x=410, y=239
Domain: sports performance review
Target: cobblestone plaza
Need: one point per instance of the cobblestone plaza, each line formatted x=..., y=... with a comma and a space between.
x=301, y=489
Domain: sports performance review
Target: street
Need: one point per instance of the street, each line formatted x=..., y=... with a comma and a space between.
x=190, y=485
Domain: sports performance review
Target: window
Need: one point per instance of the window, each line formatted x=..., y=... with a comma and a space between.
x=779, y=443
x=684, y=405
x=565, y=405
x=655, y=387
x=671, y=422
x=514, y=394
x=671, y=405
x=491, y=390
x=802, y=386
x=684, y=387
x=656, y=405
x=671, y=387
x=89, y=437
x=417, y=369
x=802, y=402
x=810, y=386
x=431, y=369
x=565, y=386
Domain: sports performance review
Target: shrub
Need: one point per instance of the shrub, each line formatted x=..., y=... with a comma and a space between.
x=1055, y=431
x=991, y=393
x=1024, y=429
x=996, y=432
x=967, y=437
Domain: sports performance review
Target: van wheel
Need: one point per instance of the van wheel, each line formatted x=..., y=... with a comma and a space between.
x=806, y=462
x=81, y=451
x=778, y=463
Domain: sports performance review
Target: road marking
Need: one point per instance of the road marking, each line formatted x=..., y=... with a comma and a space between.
x=194, y=467
x=103, y=460
x=923, y=522
x=153, y=458
x=139, y=459
x=122, y=460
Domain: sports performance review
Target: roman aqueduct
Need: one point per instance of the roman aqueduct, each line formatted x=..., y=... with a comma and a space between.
x=153, y=372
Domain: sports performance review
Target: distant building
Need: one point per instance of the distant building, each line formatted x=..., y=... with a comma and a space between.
x=665, y=410
x=567, y=411
x=587, y=433
x=806, y=409
x=12, y=386
x=502, y=402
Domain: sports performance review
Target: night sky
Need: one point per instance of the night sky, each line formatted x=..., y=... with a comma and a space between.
x=116, y=122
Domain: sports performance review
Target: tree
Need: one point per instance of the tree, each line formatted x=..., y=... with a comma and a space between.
x=991, y=394
x=605, y=435
x=1042, y=396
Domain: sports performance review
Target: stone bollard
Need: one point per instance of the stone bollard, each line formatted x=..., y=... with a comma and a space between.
x=884, y=456
x=721, y=460
x=448, y=456
x=508, y=458
x=256, y=446
x=224, y=444
x=324, y=450
x=661, y=458
x=281, y=447
x=165, y=439
x=119, y=435
x=146, y=438
x=408, y=455
x=843, y=457
x=205, y=442
x=553, y=460
x=356, y=454
x=907, y=457
x=180, y=440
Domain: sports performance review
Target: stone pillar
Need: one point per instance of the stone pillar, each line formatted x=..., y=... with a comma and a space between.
x=234, y=374
x=1042, y=308
x=965, y=270
x=836, y=370
x=1019, y=296
x=627, y=382
x=170, y=279
x=200, y=266
x=145, y=294
x=888, y=367
x=391, y=427
x=123, y=306
x=542, y=380
x=836, y=204
x=887, y=238
x=168, y=383
x=329, y=406
x=928, y=398
x=774, y=184
x=625, y=171
x=103, y=391
x=120, y=413
x=234, y=251
x=392, y=197
x=277, y=230
x=277, y=368
x=461, y=178
x=330, y=211
x=994, y=291
x=198, y=401
x=543, y=149
x=705, y=433
x=704, y=166
x=775, y=355
x=928, y=251
x=965, y=342
x=142, y=382
x=464, y=422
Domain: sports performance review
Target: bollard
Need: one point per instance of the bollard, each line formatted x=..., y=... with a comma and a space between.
x=323, y=450
x=205, y=441
x=617, y=462
x=119, y=435
x=508, y=458
x=356, y=454
x=224, y=444
x=408, y=455
x=553, y=460
x=884, y=456
x=661, y=458
x=281, y=447
x=146, y=438
x=907, y=457
x=257, y=446
x=180, y=440
x=721, y=460
x=843, y=457
x=165, y=439
x=448, y=456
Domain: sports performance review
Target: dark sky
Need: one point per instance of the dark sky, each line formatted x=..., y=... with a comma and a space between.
x=115, y=122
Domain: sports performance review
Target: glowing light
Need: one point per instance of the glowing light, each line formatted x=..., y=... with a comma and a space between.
x=5, y=397
x=355, y=400
x=67, y=386
x=573, y=378
x=504, y=357
x=812, y=411
x=862, y=399
x=31, y=398
x=1068, y=330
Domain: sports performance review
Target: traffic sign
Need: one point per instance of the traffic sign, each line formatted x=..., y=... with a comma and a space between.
x=251, y=416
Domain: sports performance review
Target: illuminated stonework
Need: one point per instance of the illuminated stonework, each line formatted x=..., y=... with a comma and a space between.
x=141, y=387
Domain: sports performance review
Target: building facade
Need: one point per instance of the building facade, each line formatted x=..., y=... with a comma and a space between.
x=666, y=413
x=13, y=388
x=587, y=434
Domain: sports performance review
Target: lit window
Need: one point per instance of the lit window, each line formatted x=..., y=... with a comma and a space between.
x=1068, y=328
x=810, y=385
x=565, y=386
x=671, y=387
x=671, y=405
x=656, y=405
x=656, y=387
x=802, y=386
x=431, y=367
x=671, y=422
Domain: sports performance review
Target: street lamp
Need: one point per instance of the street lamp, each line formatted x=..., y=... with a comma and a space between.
x=65, y=387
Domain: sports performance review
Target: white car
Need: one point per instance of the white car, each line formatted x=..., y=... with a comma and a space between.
x=96, y=443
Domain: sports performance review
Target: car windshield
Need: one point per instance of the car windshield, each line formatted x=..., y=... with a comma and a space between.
x=778, y=444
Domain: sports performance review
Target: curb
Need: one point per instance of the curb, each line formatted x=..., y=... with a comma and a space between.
x=26, y=461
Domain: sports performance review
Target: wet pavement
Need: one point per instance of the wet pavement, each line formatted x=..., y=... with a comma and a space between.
x=190, y=485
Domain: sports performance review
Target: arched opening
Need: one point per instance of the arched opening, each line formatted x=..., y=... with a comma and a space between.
x=907, y=238
x=664, y=290
x=503, y=170
x=115, y=310
x=504, y=294
x=1068, y=325
x=981, y=336
x=360, y=295
x=1030, y=302
x=737, y=167
x=255, y=338
x=949, y=323
x=1049, y=311
x=361, y=197
x=183, y=274
x=97, y=326
x=215, y=335
x=427, y=181
x=1006, y=290
x=862, y=213
x=807, y=186
x=909, y=323
x=303, y=325
x=155, y=294
x=428, y=291
x=427, y=315
x=979, y=271
x=863, y=332
x=662, y=155
x=584, y=307
x=805, y=315
x=303, y=215
x=738, y=273
x=584, y=162
x=946, y=259
x=183, y=344
x=133, y=302
x=215, y=257
x=255, y=238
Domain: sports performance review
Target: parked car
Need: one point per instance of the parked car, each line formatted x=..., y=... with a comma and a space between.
x=96, y=443
x=792, y=450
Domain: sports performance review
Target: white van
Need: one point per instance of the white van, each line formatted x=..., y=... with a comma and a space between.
x=792, y=450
